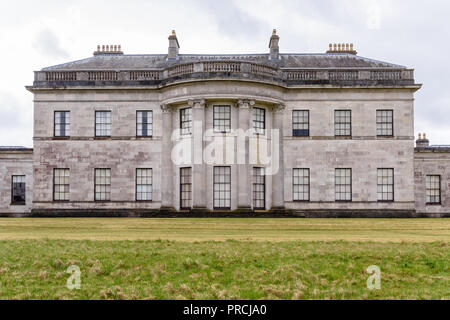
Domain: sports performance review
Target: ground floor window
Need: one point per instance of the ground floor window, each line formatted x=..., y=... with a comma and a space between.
x=433, y=183
x=61, y=185
x=144, y=184
x=259, y=188
x=18, y=190
x=343, y=184
x=102, y=184
x=301, y=185
x=222, y=188
x=385, y=184
x=185, y=188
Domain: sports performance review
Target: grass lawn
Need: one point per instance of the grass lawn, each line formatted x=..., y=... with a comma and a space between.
x=224, y=258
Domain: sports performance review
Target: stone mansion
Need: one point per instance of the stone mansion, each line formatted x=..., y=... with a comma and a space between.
x=279, y=134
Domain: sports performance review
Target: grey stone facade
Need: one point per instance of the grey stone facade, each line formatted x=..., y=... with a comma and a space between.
x=277, y=83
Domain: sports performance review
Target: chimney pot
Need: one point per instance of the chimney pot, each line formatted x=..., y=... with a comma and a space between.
x=174, y=47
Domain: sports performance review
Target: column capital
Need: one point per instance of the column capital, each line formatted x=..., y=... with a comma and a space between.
x=197, y=103
x=245, y=103
x=166, y=108
x=279, y=108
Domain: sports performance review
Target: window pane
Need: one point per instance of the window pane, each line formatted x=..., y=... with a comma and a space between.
x=433, y=185
x=61, y=187
x=185, y=188
x=385, y=122
x=222, y=118
x=301, y=185
x=259, y=120
x=102, y=184
x=186, y=121
x=144, y=123
x=343, y=184
x=222, y=188
x=342, y=123
x=144, y=184
x=300, y=123
x=18, y=190
x=62, y=124
x=385, y=183
x=103, y=123
x=259, y=188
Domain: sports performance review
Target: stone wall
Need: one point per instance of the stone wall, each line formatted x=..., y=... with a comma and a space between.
x=15, y=162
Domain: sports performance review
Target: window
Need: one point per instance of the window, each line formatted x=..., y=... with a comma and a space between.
x=343, y=123
x=144, y=182
x=343, y=184
x=62, y=124
x=385, y=123
x=185, y=188
x=222, y=118
x=186, y=121
x=433, y=189
x=103, y=123
x=144, y=123
x=61, y=185
x=102, y=184
x=222, y=188
x=385, y=185
x=301, y=185
x=259, y=120
x=259, y=189
x=300, y=123
x=18, y=190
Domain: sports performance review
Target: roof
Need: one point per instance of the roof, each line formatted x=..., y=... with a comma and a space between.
x=159, y=61
x=15, y=148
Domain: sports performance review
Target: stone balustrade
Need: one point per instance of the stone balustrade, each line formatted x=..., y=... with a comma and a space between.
x=230, y=69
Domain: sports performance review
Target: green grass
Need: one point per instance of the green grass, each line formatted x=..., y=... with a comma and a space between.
x=224, y=258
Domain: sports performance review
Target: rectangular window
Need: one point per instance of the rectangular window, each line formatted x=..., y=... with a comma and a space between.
x=144, y=184
x=343, y=123
x=61, y=185
x=62, y=124
x=222, y=188
x=300, y=123
x=301, y=185
x=18, y=190
x=433, y=189
x=186, y=121
x=102, y=184
x=259, y=189
x=259, y=120
x=103, y=123
x=185, y=188
x=385, y=123
x=222, y=118
x=144, y=123
x=343, y=184
x=385, y=185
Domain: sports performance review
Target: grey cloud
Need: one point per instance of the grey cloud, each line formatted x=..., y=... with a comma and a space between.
x=47, y=43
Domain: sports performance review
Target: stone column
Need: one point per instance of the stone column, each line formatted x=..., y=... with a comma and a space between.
x=166, y=160
x=278, y=178
x=198, y=166
x=244, y=177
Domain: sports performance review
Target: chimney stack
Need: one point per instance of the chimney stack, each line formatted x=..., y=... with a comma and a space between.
x=273, y=45
x=422, y=142
x=174, y=47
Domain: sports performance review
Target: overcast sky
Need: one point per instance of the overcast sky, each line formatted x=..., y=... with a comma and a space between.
x=36, y=34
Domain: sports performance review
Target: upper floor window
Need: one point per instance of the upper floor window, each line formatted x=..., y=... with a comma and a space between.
x=222, y=118
x=385, y=123
x=102, y=184
x=61, y=184
x=300, y=123
x=144, y=123
x=433, y=183
x=186, y=121
x=343, y=123
x=62, y=124
x=385, y=184
x=103, y=123
x=259, y=120
x=18, y=190
x=343, y=184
